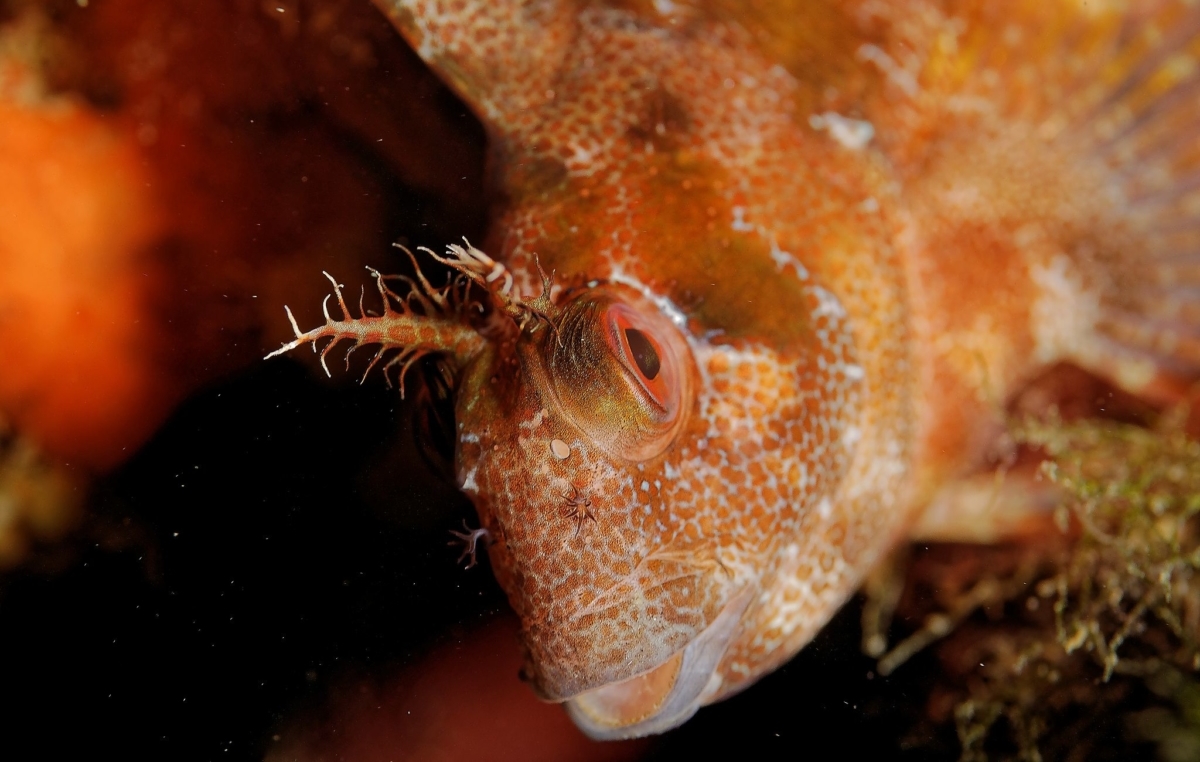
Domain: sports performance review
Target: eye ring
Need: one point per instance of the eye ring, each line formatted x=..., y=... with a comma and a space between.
x=620, y=370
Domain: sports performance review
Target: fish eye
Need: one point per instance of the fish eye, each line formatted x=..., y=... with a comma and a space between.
x=645, y=356
x=640, y=353
x=620, y=370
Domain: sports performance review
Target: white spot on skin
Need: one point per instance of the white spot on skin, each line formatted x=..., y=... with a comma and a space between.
x=896, y=74
x=739, y=220
x=1065, y=312
x=533, y=422
x=581, y=157
x=560, y=449
x=827, y=304
x=665, y=7
x=825, y=508
x=851, y=437
x=782, y=258
x=849, y=133
x=468, y=483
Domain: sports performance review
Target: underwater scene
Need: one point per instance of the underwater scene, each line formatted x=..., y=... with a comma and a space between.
x=444, y=380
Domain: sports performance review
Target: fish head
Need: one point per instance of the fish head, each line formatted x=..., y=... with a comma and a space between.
x=657, y=494
x=635, y=477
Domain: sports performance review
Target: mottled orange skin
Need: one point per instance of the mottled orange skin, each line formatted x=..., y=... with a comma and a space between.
x=857, y=228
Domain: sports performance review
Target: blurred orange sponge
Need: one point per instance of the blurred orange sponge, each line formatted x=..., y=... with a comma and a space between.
x=76, y=218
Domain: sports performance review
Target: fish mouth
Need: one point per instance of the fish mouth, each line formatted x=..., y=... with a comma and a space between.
x=665, y=696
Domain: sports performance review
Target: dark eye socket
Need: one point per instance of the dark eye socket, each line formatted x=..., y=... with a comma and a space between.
x=644, y=353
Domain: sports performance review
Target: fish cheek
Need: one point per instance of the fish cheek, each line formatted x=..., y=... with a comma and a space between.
x=509, y=450
x=556, y=507
x=575, y=544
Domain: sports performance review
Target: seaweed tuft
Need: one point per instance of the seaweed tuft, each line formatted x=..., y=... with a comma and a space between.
x=1085, y=645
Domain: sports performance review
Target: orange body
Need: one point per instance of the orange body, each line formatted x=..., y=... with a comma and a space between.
x=802, y=255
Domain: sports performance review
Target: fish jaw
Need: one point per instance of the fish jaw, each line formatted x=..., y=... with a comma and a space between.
x=668, y=695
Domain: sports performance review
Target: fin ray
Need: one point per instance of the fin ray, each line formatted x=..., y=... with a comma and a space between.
x=1091, y=116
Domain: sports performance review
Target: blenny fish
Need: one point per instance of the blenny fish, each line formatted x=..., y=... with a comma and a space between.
x=761, y=279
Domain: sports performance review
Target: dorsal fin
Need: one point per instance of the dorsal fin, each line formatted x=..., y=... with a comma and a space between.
x=1055, y=142
x=501, y=57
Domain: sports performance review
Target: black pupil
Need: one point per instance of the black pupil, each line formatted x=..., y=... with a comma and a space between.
x=644, y=353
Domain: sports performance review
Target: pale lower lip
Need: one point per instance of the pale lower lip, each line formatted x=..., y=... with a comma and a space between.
x=631, y=701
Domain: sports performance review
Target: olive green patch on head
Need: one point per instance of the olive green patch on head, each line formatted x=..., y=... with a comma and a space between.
x=725, y=279
x=534, y=178
x=672, y=211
